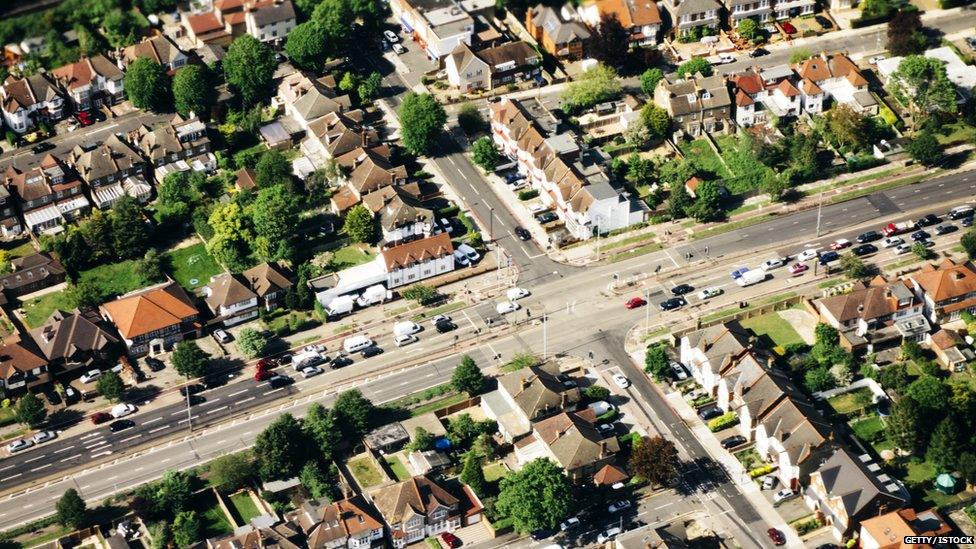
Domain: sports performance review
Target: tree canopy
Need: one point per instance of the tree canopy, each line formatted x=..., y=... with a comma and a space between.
x=71, y=510
x=189, y=360
x=30, y=410
x=147, y=85
x=110, y=386
x=359, y=224
x=249, y=68
x=905, y=35
x=655, y=459
x=922, y=83
x=485, y=154
x=610, y=41
x=924, y=148
x=649, y=80
x=422, y=119
x=694, y=66
x=307, y=46
x=281, y=449
x=596, y=85
x=231, y=472
x=467, y=377
x=193, y=90
x=535, y=497
x=353, y=412
x=656, y=361
x=251, y=343
x=275, y=216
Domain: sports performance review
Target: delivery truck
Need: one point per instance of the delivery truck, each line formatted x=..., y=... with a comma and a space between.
x=373, y=295
x=750, y=277
x=892, y=229
x=341, y=305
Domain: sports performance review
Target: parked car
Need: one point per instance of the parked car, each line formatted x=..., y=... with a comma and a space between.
x=864, y=249
x=768, y=482
x=709, y=412
x=542, y=533
x=121, y=425
x=262, y=375
x=776, y=536
x=546, y=217
x=42, y=147
x=311, y=371
x=18, y=445
x=733, y=441
x=450, y=540
x=122, y=410
x=619, y=506
x=709, y=293
x=621, y=381
x=682, y=289
x=920, y=235
x=569, y=524
x=828, y=257
x=370, y=352
x=758, y=52
x=946, y=229
x=679, y=371
x=903, y=249
x=783, y=495
x=314, y=348
x=222, y=336
x=892, y=241
x=840, y=244
x=608, y=535
x=928, y=221
x=788, y=28
x=967, y=221
x=90, y=375
x=798, y=268
x=460, y=258
x=506, y=307
x=869, y=236
x=673, y=303
x=391, y=36
x=605, y=429
x=823, y=21
x=445, y=326
x=402, y=340
x=155, y=364
x=522, y=234
x=635, y=302
x=472, y=255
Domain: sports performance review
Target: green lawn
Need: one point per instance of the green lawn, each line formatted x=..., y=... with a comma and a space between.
x=437, y=404
x=192, y=266
x=365, y=472
x=957, y=132
x=705, y=157
x=869, y=429
x=749, y=458
x=18, y=248
x=775, y=327
x=52, y=534
x=212, y=518
x=851, y=402
x=398, y=468
x=445, y=309
x=495, y=471
x=38, y=309
x=351, y=255
x=245, y=507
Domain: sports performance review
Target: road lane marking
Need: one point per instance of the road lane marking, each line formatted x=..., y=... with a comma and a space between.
x=212, y=401
x=8, y=467
x=178, y=413
x=45, y=466
x=154, y=420
x=238, y=392
x=65, y=449
x=185, y=420
x=165, y=460
x=105, y=453
x=273, y=390
x=157, y=429
x=96, y=446
x=243, y=400
x=217, y=410
x=89, y=435
x=42, y=456
x=133, y=437
x=76, y=456
x=10, y=477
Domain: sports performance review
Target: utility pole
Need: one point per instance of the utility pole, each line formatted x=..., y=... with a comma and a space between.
x=189, y=415
x=819, y=212
x=647, y=311
x=545, y=336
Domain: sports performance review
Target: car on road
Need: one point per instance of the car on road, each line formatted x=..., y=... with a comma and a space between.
x=928, y=221
x=892, y=241
x=733, y=441
x=522, y=234
x=946, y=229
x=619, y=506
x=771, y=264
x=402, y=340
x=758, y=52
x=391, y=36
x=635, y=302
x=798, y=268
x=515, y=294
x=506, y=307
x=341, y=362
x=445, y=326
x=776, y=537
x=399, y=49
x=311, y=371
x=406, y=327
x=735, y=274
x=709, y=293
x=542, y=533
x=903, y=249
x=679, y=371
x=608, y=534
x=710, y=412
x=569, y=524
x=121, y=425
x=621, y=381
x=262, y=375
x=673, y=303
x=920, y=235
x=18, y=445
x=370, y=352
x=807, y=254
x=155, y=364
x=440, y=318
x=788, y=28
x=828, y=257
x=546, y=217
x=869, y=236
x=864, y=249
x=278, y=381
x=192, y=389
x=783, y=495
x=840, y=244
x=222, y=336
x=90, y=375
x=682, y=289
x=42, y=147
x=122, y=410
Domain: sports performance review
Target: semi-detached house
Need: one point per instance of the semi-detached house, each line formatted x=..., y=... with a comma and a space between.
x=558, y=32
x=947, y=290
x=21, y=366
x=91, y=82
x=111, y=170
x=438, y=26
x=230, y=299
x=179, y=145
x=415, y=509
x=153, y=320
x=270, y=21
x=690, y=14
x=528, y=395
x=641, y=18
x=351, y=523
x=47, y=194
x=489, y=68
x=30, y=100
x=696, y=104
x=160, y=49
x=75, y=340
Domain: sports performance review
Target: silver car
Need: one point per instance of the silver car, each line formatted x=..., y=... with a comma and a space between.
x=44, y=436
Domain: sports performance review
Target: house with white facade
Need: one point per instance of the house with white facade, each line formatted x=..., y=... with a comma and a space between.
x=22, y=366
x=689, y=14
x=946, y=290
x=91, y=82
x=270, y=21
x=641, y=18
x=30, y=100
x=759, y=10
x=787, y=9
x=349, y=523
x=704, y=352
x=48, y=195
x=792, y=435
x=840, y=80
x=963, y=76
x=438, y=26
x=784, y=99
x=750, y=94
x=415, y=509
x=875, y=313
x=230, y=299
x=526, y=396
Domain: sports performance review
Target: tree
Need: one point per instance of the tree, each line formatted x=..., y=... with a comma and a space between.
x=679, y=202
x=694, y=66
x=905, y=35
x=931, y=394
x=193, y=90
x=147, y=84
x=656, y=119
x=370, y=87
x=945, y=445
x=895, y=377
x=968, y=242
x=232, y=235
x=473, y=474
x=249, y=67
x=776, y=186
x=708, y=203
x=173, y=492
x=748, y=29
x=161, y=534
x=596, y=85
x=86, y=293
x=649, y=80
x=656, y=361
x=150, y=267
x=251, y=343
x=129, y=234
x=967, y=467
x=467, y=377
x=423, y=440
x=275, y=216
x=359, y=224
x=470, y=120
x=853, y=267
x=317, y=480
x=655, y=459
x=610, y=41
x=119, y=28
x=819, y=379
x=421, y=293
x=922, y=83
x=912, y=351
x=186, y=529
x=922, y=251
x=924, y=148
x=110, y=386
x=320, y=425
x=30, y=410
x=272, y=169
x=231, y=472
x=334, y=17
x=485, y=154
x=71, y=511
x=537, y=496
x=422, y=119
x=307, y=46
x=353, y=412
x=846, y=127
x=463, y=430
x=904, y=425
x=176, y=198
x=189, y=360
x=799, y=55
x=596, y=392
x=281, y=449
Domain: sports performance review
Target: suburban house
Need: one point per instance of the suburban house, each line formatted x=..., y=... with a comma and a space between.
x=30, y=100
x=270, y=21
x=179, y=145
x=74, y=340
x=951, y=350
x=526, y=396
x=91, y=82
x=689, y=14
x=750, y=93
x=30, y=274
x=436, y=25
x=608, y=120
x=641, y=18
x=875, y=315
x=492, y=67
x=111, y=170
x=313, y=104
x=349, y=523
x=336, y=134
x=888, y=531
x=558, y=32
x=269, y=283
x=205, y=29
x=946, y=290
x=21, y=366
x=792, y=435
x=415, y=509
x=157, y=48
x=231, y=14
x=847, y=489
x=245, y=179
x=963, y=76
x=705, y=352
x=736, y=377
x=47, y=195
x=571, y=440
x=9, y=222
x=402, y=217
x=840, y=80
x=759, y=10
x=152, y=320
x=230, y=299
x=696, y=104
x=786, y=9
x=369, y=171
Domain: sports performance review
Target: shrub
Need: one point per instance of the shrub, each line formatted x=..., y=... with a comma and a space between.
x=608, y=417
x=806, y=526
x=528, y=194
x=723, y=421
x=760, y=471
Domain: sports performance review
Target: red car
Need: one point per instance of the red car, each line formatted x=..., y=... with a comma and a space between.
x=262, y=375
x=798, y=268
x=84, y=118
x=451, y=540
x=788, y=28
x=777, y=536
x=634, y=303
x=840, y=244
x=100, y=417
x=266, y=364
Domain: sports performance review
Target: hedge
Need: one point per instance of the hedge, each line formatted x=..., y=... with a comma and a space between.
x=528, y=194
x=702, y=400
x=723, y=421
x=608, y=417
x=760, y=471
x=807, y=526
x=629, y=439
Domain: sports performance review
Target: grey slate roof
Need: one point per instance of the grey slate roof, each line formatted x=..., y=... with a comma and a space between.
x=687, y=7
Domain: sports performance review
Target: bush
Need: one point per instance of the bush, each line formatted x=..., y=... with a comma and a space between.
x=528, y=194
x=723, y=421
x=760, y=471
x=807, y=526
x=608, y=417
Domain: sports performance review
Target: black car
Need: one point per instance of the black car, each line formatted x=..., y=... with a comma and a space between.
x=864, y=249
x=928, y=221
x=682, y=289
x=341, y=361
x=155, y=364
x=829, y=256
x=42, y=147
x=710, y=412
x=758, y=52
x=192, y=389
x=919, y=236
x=869, y=236
x=445, y=326
x=673, y=303
x=824, y=22
x=967, y=222
x=277, y=381
x=53, y=397
x=542, y=534
x=196, y=399
x=733, y=441
x=522, y=234
x=120, y=425
x=546, y=217
x=372, y=351
x=946, y=229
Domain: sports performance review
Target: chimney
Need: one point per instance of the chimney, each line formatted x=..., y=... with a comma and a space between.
x=604, y=451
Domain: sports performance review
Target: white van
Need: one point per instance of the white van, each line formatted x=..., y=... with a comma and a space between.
x=356, y=343
x=405, y=327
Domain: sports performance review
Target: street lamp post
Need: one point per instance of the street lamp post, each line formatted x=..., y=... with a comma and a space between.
x=819, y=212
x=647, y=311
x=189, y=415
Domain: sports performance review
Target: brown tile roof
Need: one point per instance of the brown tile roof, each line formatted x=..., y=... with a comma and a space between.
x=226, y=290
x=158, y=48
x=416, y=496
x=65, y=334
x=822, y=67
x=267, y=278
x=536, y=389
x=27, y=92
x=417, y=251
x=609, y=475
x=19, y=356
x=948, y=281
x=742, y=99
x=204, y=23
x=749, y=82
x=866, y=301
x=246, y=179
x=82, y=72
x=574, y=440
x=787, y=89
x=890, y=529
x=810, y=87
x=344, y=198
x=38, y=182
x=111, y=157
x=518, y=52
x=373, y=171
x=945, y=339
x=331, y=522
x=631, y=13
x=148, y=310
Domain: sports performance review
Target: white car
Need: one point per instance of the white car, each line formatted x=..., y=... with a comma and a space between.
x=460, y=258
x=569, y=524
x=709, y=293
x=43, y=436
x=537, y=208
x=406, y=327
x=90, y=375
x=903, y=249
x=445, y=224
x=122, y=410
x=783, y=495
x=399, y=49
x=311, y=371
x=807, y=255
x=771, y=264
x=768, y=482
x=316, y=348
x=619, y=506
x=608, y=535
x=621, y=381
x=18, y=445
x=403, y=340
x=222, y=336
x=600, y=407
x=472, y=254
x=507, y=307
x=440, y=318
x=391, y=36
x=516, y=294
x=892, y=241
x=679, y=371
